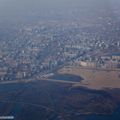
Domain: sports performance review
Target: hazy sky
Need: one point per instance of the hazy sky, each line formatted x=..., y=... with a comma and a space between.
x=12, y=9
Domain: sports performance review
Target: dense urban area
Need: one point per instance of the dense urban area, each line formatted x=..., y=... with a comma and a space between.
x=36, y=49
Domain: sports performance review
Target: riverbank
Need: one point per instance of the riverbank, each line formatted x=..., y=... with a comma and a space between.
x=94, y=78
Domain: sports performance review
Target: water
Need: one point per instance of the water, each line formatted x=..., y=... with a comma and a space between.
x=47, y=94
x=67, y=77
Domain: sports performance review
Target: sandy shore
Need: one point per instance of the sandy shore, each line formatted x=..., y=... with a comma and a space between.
x=95, y=79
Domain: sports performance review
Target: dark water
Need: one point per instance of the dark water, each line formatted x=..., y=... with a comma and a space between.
x=114, y=116
x=17, y=100
x=67, y=77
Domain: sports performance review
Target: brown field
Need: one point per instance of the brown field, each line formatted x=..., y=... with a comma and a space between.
x=94, y=78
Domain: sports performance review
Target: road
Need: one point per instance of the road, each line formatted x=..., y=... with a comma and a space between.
x=41, y=79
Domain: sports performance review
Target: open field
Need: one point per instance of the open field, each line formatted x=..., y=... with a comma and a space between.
x=94, y=78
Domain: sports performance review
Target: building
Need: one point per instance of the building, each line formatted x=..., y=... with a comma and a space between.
x=111, y=64
x=116, y=57
x=88, y=64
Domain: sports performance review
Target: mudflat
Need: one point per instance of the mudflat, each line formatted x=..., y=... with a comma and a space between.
x=94, y=78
